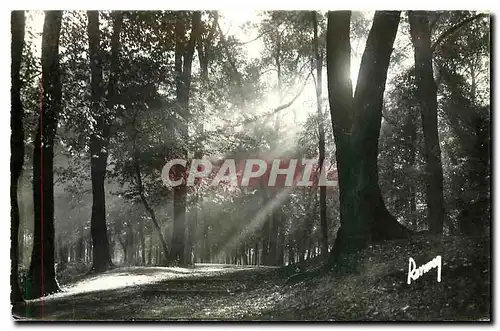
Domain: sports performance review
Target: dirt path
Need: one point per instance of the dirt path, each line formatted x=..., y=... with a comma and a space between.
x=145, y=293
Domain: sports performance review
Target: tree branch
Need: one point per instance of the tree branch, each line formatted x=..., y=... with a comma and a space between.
x=455, y=28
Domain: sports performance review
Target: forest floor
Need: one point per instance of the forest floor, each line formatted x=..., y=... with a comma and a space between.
x=376, y=290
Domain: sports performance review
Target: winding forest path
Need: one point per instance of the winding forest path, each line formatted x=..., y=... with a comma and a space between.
x=376, y=289
x=207, y=291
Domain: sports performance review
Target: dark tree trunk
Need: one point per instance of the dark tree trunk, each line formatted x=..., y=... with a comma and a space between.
x=192, y=231
x=16, y=146
x=150, y=250
x=306, y=228
x=273, y=236
x=291, y=255
x=41, y=276
x=256, y=253
x=183, y=62
x=265, y=242
x=129, y=244
x=99, y=139
x=157, y=255
x=280, y=259
x=63, y=257
x=266, y=230
x=356, y=126
x=143, y=242
x=179, y=230
x=427, y=98
x=321, y=130
x=80, y=244
x=206, y=244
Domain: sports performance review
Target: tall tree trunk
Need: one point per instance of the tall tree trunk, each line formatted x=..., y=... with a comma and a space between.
x=356, y=127
x=41, y=276
x=427, y=98
x=183, y=63
x=321, y=130
x=99, y=139
x=180, y=192
x=17, y=147
x=203, y=46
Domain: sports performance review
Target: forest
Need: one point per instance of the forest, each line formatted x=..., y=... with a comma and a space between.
x=395, y=104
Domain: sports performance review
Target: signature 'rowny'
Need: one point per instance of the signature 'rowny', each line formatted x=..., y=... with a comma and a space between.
x=414, y=273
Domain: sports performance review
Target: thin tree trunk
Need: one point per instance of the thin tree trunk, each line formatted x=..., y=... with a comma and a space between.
x=157, y=255
x=140, y=188
x=291, y=256
x=427, y=98
x=17, y=148
x=129, y=243
x=321, y=130
x=273, y=236
x=143, y=242
x=41, y=276
x=63, y=258
x=265, y=242
x=280, y=259
x=256, y=253
x=80, y=244
x=206, y=244
x=150, y=250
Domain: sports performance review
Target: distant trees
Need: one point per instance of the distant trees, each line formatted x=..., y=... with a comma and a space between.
x=400, y=158
x=460, y=71
x=42, y=278
x=461, y=54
